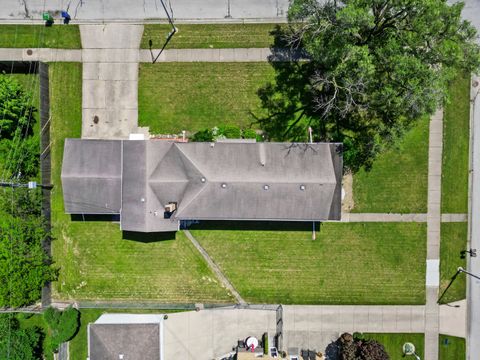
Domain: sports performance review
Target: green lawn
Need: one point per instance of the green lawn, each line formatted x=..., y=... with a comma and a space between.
x=454, y=240
x=39, y=36
x=204, y=36
x=191, y=96
x=397, y=182
x=393, y=343
x=349, y=263
x=95, y=261
x=456, y=128
x=452, y=348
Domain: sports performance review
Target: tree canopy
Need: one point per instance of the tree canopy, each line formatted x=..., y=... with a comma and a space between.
x=16, y=343
x=19, y=146
x=374, y=67
x=63, y=325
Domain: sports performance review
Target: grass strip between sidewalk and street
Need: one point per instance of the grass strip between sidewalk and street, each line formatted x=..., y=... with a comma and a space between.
x=453, y=241
x=452, y=348
x=456, y=130
x=209, y=36
x=40, y=36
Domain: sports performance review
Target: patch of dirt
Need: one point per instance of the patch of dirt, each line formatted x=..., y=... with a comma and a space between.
x=347, y=189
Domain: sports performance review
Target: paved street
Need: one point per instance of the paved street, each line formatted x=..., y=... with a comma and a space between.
x=117, y=10
x=473, y=287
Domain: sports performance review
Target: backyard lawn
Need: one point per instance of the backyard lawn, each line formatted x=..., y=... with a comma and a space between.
x=95, y=261
x=349, y=263
x=452, y=348
x=397, y=182
x=192, y=96
x=199, y=36
x=456, y=127
x=454, y=240
x=40, y=36
x=393, y=343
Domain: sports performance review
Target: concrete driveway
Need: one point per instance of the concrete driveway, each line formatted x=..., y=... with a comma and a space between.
x=207, y=334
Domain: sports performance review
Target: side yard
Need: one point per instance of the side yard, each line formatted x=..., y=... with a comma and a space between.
x=95, y=259
x=398, y=179
x=348, y=263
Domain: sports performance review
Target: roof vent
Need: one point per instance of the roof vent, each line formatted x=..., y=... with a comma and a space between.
x=266, y=187
x=224, y=185
x=302, y=187
x=212, y=144
x=142, y=199
x=203, y=179
x=120, y=356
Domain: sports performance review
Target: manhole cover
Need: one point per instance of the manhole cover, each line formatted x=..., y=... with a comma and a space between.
x=29, y=52
x=95, y=119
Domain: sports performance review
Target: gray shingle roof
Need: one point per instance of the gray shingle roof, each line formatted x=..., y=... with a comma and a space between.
x=219, y=181
x=133, y=341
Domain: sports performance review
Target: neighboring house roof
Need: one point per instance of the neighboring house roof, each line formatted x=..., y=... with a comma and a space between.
x=214, y=181
x=125, y=336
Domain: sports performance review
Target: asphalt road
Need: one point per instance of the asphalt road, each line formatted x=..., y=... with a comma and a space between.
x=473, y=292
x=109, y=10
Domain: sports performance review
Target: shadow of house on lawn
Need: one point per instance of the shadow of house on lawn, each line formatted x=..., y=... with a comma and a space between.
x=148, y=237
x=255, y=225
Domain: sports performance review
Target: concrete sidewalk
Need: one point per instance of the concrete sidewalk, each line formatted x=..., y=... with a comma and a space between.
x=433, y=235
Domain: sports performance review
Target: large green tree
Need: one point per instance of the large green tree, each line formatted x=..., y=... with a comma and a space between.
x=16, y=343
x=24, y=266
x=19, y=145
x=374, y=67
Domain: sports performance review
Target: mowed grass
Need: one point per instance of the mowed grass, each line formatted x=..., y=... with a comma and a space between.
x=39, y=36
x=456, y=129
x=204, y=36
x=452, y=348
x=453, y=240
x=96, y=262
x=192, y=96
x=397, y=182
x=393, y=343
x=348, y=263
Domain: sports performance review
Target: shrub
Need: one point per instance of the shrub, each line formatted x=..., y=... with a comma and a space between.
x=249, y=134
x=229, y=131
x=63, y=325
x=203, y=136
